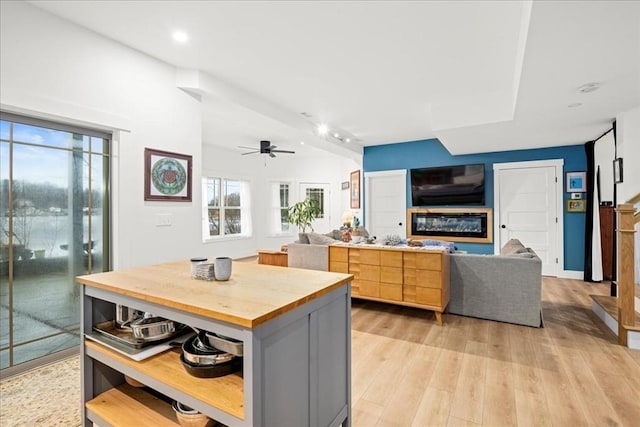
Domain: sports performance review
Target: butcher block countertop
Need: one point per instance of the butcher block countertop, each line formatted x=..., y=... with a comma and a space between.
x=253, y=295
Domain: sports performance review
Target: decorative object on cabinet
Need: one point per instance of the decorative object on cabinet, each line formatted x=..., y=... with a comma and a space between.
x=354, y=180
x=167, y=176
x=576, y=182
x=579, y=205
x=617, y=170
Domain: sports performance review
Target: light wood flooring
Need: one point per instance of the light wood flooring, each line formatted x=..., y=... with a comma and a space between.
x=407, y=371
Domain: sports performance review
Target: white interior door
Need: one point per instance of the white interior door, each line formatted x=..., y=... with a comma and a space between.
x=527, y=208
x=386, y=203
x=322, y=193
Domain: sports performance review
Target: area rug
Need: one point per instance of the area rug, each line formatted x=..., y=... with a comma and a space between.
x=47, y=396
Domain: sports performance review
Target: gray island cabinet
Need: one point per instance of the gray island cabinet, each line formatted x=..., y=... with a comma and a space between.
x=295, y=326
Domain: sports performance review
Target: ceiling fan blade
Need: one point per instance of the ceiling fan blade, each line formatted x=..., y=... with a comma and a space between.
x=271, y=155
x=250, y=152
x=246, y=148
x=283, y=151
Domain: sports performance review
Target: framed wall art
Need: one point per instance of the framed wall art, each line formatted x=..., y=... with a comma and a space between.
x=167, y=176
x=576, y=182
x=354, y=185
x=577, y=205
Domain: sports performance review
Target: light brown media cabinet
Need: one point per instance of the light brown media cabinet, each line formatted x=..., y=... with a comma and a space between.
x=406, y=276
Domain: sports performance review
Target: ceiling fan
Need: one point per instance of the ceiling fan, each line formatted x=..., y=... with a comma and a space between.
x=265, y=148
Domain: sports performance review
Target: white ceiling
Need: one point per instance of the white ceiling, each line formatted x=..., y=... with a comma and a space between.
x=479, y=75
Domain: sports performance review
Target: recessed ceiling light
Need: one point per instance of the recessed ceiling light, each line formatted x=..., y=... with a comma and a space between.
x=574, y=105
x=336, y=135
x=347, y=140
x=323, y=129
x=180, y=36
x=301, y=142
x=589, y=87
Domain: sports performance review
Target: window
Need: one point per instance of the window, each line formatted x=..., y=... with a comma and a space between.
x=280, y=196
x=316, y=194
x=227, y=204
x=54, y=225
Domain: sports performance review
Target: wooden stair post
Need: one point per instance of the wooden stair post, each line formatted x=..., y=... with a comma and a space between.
x=626, y=287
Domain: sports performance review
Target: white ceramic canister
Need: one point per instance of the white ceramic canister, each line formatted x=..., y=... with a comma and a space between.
x=194, y=264
x=223, y=268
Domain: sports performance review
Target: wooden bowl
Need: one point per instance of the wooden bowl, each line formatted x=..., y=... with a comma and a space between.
x=132, y=382
x=188, y=417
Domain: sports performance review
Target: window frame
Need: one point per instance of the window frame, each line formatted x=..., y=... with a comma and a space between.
x=275, y=210
x=244, y=208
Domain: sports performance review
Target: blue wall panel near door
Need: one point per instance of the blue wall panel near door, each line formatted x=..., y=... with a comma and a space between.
x=431, y=152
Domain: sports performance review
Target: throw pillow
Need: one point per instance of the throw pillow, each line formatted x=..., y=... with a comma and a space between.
x=511, y=247
x=320, y=239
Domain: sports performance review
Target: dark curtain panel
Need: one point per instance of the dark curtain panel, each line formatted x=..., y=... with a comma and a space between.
x=614, y=258
x=588, y=230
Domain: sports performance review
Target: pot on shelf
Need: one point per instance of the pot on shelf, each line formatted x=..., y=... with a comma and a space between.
x=152, y=328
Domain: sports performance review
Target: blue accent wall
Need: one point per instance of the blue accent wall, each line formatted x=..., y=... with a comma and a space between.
x=431, y=152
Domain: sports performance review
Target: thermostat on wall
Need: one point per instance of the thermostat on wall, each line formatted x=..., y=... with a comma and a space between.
x=576, y=196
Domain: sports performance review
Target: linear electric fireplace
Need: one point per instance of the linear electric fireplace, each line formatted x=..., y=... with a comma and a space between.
x=458, y=225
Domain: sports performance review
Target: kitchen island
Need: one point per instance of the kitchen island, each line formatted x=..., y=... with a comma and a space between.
x=294, y=325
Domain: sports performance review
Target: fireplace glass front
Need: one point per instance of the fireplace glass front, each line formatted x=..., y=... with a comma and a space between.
x=449, y=224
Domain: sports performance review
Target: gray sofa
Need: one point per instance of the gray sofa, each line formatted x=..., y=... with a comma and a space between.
x=505, y=287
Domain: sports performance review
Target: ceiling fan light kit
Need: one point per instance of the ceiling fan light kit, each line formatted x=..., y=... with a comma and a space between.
x=266, y=148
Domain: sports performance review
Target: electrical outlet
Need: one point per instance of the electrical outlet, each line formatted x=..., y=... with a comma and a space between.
x=163, y=220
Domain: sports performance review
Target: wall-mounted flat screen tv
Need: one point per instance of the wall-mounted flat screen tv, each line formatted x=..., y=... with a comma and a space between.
x=448, y=185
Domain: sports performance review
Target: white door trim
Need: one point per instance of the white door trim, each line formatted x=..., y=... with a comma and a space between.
x=558, y=164
x=367, y=182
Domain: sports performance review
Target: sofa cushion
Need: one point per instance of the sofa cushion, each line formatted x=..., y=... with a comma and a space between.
x=303, y=238
x=320, y=239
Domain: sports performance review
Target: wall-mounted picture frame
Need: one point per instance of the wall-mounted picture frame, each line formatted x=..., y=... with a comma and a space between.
x=345, y=185
x=167, y=176
x=617, y=170
x=354, y=185
x=576, y=205
x=576, y=182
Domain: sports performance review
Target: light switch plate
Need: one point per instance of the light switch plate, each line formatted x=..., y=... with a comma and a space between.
x=163, y=220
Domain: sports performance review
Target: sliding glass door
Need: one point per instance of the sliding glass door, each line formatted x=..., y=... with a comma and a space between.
x=54, y=225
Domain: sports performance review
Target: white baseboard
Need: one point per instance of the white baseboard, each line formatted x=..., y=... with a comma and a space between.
x=633, y=337
x=633, y=340
x=605, y=317
x=571, y=274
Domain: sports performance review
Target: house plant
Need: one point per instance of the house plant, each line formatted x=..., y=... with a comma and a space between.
x=303, y=213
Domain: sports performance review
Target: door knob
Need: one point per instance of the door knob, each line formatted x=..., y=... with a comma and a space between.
x=400, y=224
x=503, y=226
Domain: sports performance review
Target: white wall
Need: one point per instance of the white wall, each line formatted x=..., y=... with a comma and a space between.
x=261, y=171
x=53, y=69
x=628, y=146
